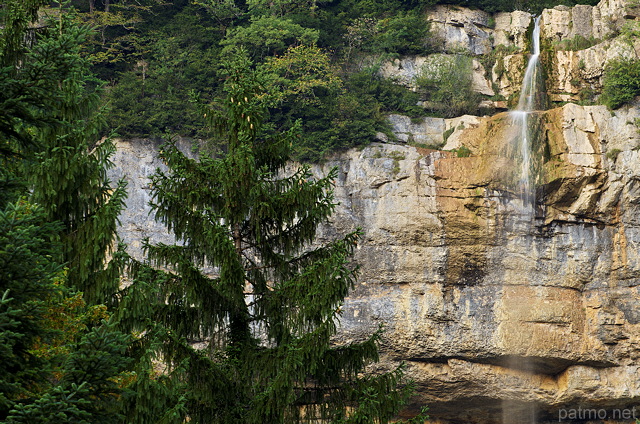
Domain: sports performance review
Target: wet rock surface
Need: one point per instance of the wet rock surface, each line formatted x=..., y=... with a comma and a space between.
x=486, y=302
x=491, y=307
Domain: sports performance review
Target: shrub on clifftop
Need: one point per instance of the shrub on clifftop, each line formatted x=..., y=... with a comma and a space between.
x=621, y=82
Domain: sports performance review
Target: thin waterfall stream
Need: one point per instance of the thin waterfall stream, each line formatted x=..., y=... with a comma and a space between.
x=530, y=101
x=519, y=411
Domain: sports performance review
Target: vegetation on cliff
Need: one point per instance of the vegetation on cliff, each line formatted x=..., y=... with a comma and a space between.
x=154, y=54
x=264, y=316
x=65, y=355
x=621, y=82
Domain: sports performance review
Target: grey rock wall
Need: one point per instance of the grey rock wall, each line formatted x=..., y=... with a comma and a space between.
x=497, y=309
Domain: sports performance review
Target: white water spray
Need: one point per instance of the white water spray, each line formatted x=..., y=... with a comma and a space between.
x=528, y=102
x=521, y=411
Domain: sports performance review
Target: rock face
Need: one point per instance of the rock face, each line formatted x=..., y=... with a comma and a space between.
x=600, y=22
x=574, y=69
x=497, y=310
x=432, y=132
x=458, y=28
x=406, y=70
x=136, y=160
x=579, y=41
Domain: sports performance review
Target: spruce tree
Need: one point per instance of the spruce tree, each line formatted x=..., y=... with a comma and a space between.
x=50, y=140
x=41, y=381
x=69, y=176
x=89, y=389
x=28, y=267
x=27, y=89
x=244, y=306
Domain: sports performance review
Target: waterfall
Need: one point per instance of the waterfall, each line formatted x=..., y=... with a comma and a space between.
x=514, y=410
x=530, y=100
x=530, y=89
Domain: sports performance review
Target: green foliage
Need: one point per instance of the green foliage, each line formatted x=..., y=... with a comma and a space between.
x=403, y=33
x=264, y=320
x=613, y=154
x=301, y=74
x=496, y=57
x=448, y=133
x=587, y=96
x=353, y=116
x=621, y=82
x=429, y=146
x=397, y=157
x=630, y=31
x=60, y=405
x=116, y=38
x=88, y=391
x=267, y=36
x=352, y=9
x=578, y=42
x=29, y=79
x=532, y=6
x=447, y=83
x=28, y=268
x=69, y=174
x=37, y=383
x=338, y=122
x=463, y=152
x=282, y=8
x=154, y=55
x=303, y=85
x=152, y=105
x=223, y=11
x=41, y=381
x=388, y=95
x=16, y=17
x=151, y=97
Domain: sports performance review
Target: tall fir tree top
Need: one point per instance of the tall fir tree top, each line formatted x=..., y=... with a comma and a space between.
x=69, y=177
x=243, y=308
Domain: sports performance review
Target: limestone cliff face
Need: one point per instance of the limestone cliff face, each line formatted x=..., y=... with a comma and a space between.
x=495, y=310
x=500, y=43
x=608, y=28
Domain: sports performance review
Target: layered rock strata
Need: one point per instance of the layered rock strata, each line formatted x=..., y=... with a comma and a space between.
x=500, y=313
x=503, y=313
